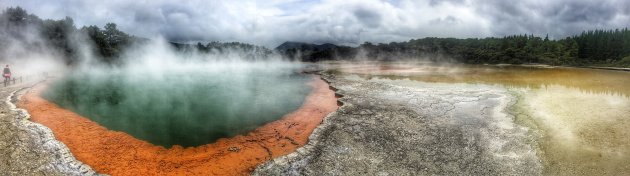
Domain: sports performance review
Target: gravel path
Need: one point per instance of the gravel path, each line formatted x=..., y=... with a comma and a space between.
x=28, y=148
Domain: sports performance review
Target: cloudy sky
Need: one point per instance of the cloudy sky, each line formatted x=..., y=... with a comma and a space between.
x=349, y=22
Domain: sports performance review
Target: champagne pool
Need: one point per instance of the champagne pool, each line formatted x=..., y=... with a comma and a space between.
x=186, y=106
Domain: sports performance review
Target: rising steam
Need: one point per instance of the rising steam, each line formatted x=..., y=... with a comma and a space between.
x=152, y=89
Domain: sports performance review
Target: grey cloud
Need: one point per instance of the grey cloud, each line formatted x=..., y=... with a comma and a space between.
x=557, y=18
x=589, y=11
x=438, y=2
x=369, y=17
x=348, y=22
x=446, y=20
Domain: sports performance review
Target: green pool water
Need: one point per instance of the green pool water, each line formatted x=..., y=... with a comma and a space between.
x=182, y=106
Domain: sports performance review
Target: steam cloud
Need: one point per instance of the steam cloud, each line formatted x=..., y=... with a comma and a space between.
x=171, y=97
x=349, y=22
x=158, y=93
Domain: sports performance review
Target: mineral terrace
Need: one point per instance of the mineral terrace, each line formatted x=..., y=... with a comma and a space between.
x=412, y=128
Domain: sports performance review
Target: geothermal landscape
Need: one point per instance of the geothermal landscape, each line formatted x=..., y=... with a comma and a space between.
x=292, y=88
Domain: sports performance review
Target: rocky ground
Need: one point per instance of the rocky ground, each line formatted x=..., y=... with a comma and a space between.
x=383, y=128
x=27, y=148
x=405, y=128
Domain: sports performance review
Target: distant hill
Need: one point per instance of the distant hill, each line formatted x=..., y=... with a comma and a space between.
x=314, y=52
x=244, y=50
x=304, y=46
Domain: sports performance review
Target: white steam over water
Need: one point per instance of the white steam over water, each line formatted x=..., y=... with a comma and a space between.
x=170, y=97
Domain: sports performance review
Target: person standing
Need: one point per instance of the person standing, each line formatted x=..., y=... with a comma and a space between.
x=7, y=75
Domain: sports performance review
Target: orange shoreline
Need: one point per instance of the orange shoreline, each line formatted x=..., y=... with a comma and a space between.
x=117, y=153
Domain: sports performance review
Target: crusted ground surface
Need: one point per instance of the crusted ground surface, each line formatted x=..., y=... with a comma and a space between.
x=409, y=128
x=383, y=128
x=27, y=148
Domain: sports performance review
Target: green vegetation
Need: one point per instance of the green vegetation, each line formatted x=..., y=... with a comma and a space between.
x=625, y=62
x=108, y=42
x=62, y=38
x=58, y=36
x=242, y=50
x=596, y=48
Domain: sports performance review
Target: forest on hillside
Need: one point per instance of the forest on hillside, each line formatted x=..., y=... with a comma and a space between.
x=598, y=47
x=22, y=34
x=590, y=47
x=62, y=37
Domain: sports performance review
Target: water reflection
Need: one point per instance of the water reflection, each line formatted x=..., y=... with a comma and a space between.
x=588, y=80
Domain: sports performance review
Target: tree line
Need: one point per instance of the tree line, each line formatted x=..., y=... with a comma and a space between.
x=22, y=34
x=18, y=27
x=227, y=49
x=596, y=47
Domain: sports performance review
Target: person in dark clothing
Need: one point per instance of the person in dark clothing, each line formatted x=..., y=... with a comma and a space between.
x=7, y=74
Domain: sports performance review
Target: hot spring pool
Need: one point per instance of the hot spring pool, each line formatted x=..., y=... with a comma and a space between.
x=187, y=107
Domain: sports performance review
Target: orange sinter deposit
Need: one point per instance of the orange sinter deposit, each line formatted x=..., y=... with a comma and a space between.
x=117, y=153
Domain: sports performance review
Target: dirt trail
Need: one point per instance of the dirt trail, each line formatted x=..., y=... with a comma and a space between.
x=118, y=153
